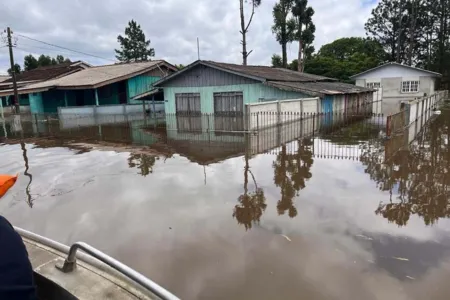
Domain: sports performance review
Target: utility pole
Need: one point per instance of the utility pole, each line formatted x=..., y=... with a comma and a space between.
x=13, y=71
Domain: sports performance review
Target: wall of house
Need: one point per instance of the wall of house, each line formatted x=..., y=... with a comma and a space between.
x=392, y=71
x=202, y=76
x=252, y=93
x=138, y=85
x=36, y=103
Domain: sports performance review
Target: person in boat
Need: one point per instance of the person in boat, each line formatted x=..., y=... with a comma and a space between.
x=16, y=273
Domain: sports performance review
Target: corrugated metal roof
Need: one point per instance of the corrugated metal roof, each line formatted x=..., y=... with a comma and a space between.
x=48, y=72
x=396, y=64
x=98, y=76
x=270, y=73
x=320, y=88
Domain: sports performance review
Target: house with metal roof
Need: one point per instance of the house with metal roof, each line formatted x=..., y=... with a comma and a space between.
x=397, y=82
x=213, y=87
x=114, y=84
x=35, y=76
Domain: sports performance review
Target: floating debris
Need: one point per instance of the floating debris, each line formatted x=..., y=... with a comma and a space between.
x=409, y=277
x=286, y=237
x=364, y=237
x=400, y=258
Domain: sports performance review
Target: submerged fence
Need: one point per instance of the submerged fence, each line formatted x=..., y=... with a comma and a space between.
x=416, y=112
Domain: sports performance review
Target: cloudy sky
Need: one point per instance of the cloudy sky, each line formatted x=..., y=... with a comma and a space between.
x=172, y=26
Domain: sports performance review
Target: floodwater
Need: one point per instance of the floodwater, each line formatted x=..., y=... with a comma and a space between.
x=341, y=216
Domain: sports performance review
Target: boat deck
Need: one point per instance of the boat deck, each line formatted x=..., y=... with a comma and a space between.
x=85, y=282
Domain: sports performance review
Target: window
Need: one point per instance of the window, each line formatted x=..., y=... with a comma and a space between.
x=229, y=103
x=373, y=85
x=188, y=103
x=228, y=112
x=188, y=110
x=410, y=86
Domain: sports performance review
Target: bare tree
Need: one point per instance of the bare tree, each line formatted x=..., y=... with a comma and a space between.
x=244, y=27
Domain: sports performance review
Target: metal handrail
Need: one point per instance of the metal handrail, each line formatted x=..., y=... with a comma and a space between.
x=70, y=262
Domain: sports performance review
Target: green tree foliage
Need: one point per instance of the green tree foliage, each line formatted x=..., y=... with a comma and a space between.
x=304, y=30
x=180, y=66
x=283, y=27
x=30, y=62
x=277, y=61
x=245, y=26
x=17, y=69
x=346, y=57
x=414, y=32
x=134, y=46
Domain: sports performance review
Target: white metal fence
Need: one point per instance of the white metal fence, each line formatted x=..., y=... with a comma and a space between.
x=279, y=112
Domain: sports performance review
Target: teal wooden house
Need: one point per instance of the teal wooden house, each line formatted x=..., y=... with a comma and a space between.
x=208, y=87
x=123, y=83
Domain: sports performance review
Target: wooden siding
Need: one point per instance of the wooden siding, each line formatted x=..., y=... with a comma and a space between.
x=202, y=76
x=253, y=93
x=138, y=85
x=36, y=103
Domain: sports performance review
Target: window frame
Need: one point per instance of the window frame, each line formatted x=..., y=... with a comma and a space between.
x=407, y=85
x=373, y=85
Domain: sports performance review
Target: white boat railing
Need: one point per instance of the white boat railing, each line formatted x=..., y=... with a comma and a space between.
x=70, y=262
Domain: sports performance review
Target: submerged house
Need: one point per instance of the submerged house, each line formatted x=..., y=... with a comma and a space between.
x=213, y=87
x=35, y=76
x=103, y=85
x=397, y=82
x=209, y=101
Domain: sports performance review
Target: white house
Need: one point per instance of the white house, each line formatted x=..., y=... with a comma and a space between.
x=397, y=82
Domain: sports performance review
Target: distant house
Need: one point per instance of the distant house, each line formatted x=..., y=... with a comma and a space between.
x=213, y=87
x=35, y=76
x=398, y=81
x=103, y=85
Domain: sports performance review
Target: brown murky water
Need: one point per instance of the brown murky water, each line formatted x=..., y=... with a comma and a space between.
x=332, y=217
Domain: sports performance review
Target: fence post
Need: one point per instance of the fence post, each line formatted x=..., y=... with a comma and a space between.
x=278, y=112
x=257, y=121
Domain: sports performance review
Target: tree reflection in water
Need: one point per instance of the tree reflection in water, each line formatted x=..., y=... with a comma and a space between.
x=251, y=205
x=291, y=173
x=143, y=162
x=419, y=175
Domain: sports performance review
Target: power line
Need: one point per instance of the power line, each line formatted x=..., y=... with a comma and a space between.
x=65, y=48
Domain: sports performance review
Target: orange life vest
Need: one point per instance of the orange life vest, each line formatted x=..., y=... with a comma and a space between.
x=6, y=182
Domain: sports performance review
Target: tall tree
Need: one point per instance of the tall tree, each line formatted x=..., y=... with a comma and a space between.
x=283, y=26
x=346, y=57
x=245, y=26
x=304, y=29
x=386, y=25
x=134, y=46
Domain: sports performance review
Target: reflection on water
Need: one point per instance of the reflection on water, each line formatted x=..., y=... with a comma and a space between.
x=290, y=173
x=294, y=219
x=143, y=162
x=25, y=159
x=417, y=176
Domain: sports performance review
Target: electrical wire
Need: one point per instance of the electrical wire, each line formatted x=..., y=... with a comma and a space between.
x=65, y=48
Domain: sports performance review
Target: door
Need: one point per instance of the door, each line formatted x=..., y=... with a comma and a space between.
x=327, y=109
x=122, y=90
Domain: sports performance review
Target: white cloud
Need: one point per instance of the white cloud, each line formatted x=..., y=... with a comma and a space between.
x=172, y=25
